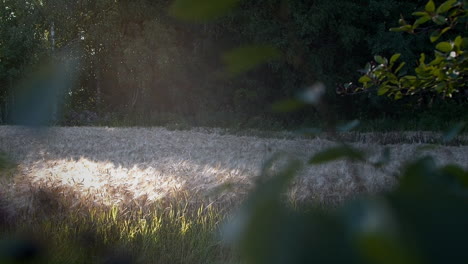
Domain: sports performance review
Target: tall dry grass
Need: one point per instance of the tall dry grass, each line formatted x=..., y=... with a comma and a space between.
x=138, y=166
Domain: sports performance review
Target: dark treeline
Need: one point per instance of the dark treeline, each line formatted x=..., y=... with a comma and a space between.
x=138, y=63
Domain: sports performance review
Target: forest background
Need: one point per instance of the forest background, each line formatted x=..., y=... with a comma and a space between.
x=133, y=64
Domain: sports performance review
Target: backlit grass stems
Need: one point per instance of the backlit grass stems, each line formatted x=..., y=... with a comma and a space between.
x=176, y=231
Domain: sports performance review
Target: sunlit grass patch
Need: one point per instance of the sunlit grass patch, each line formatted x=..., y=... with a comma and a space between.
x=172, y=231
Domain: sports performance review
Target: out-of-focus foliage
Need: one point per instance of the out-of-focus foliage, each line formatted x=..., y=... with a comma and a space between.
x=422, y=221
x=20, y=46
x=447, y=71
x=38, y=97
x=242, y=59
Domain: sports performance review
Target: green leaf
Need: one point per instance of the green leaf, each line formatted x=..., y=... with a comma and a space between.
x=430, y=6
x=458, y=42
x=394, y=58
x=438, y=59
x=438, y=33
x=444, y=46
x=453, y=132
x=400, y=67
x=444, y=7
x=410, y=77
x=201, y=10
x=380, y=60
x=246, y=58
x=421, y=21
x=439, y=20
x=398, y=95
x=336, y=153
x=445, y=30
x=422, y=59
x=402, y=22
x=420, y=14
x=464, y=44
x=383, y=90
x=365, y=79
x=402, y=28
x=368, y=68
x=247, y=227
x=435, y=36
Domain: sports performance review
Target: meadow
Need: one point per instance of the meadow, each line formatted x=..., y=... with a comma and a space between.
x=153, y=195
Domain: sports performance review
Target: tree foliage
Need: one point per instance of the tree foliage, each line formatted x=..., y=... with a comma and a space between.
x=447, y=71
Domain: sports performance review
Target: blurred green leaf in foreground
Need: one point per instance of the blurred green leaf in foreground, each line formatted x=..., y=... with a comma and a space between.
x=41, y=94
x=422, y=221
x=245, y=58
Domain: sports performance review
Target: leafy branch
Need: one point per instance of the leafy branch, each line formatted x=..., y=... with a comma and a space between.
x=446, y=74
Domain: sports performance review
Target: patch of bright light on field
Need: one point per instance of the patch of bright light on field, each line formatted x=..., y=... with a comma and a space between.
x=115, y=183
x=108, y=183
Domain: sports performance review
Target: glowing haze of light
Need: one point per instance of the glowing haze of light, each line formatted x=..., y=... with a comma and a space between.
x=38, y=97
